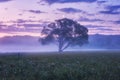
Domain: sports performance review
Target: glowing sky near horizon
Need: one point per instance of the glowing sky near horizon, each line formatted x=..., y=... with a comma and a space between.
x=27, y=17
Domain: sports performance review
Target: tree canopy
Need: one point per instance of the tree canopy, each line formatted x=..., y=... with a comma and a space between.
x=65, y=32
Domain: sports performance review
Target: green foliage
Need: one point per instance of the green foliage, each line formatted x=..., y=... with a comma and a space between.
x=65, y=66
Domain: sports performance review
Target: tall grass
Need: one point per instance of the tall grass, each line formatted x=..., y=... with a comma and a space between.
x=83, y=66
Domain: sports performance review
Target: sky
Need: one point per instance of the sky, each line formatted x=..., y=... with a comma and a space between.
x=27, y=17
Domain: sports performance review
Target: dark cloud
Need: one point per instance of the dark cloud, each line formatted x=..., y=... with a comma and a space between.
x=74, y=10
x=90, y=20
x=104, y=29
x=6, y=8
x=2, y=25
x=16, y=28
x=32, y=16
x=67, y=1
x=30, y=25
x=5, y=0
x=20, y=14
x=35, y=11
x=89, y=14
x=16, y=25
x=111, y=10
x=70, y=10
x=9, y=28
x=94, y=26
x=100, y=2
x=18, y=21
x=117, y=22
x=26, y=22
x=23, y=21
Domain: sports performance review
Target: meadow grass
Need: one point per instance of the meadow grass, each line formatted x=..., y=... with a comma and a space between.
x=64, y=66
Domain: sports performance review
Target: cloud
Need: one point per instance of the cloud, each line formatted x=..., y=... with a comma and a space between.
x=24, y=21
x=101, y=2
x=20, y=14
x=2, y=25
x=70, y=10
x=30, y=25
x=90, y=20
x=67, y=1
x=111, y=10
x=9, y=28
x=117, y=22
x=35, y=11
x=21, y=21
x=19, y=40
x=94, y=26
x=21, y=25
x=104, y=29
x=74, y=10
x=5, y=0
x=18, y=21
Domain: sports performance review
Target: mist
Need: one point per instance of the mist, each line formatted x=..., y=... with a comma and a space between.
x=31, y=44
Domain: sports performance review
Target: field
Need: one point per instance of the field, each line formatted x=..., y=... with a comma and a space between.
x=64, y=66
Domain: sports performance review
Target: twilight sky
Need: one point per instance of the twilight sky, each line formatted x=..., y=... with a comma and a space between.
x=27, y=17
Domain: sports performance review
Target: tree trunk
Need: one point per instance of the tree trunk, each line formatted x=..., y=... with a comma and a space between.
x=60, y=45
x=60, y=50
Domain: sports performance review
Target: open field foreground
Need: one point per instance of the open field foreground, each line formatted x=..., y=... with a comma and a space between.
x=65, y=66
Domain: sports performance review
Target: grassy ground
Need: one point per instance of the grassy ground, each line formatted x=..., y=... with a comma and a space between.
x=65, y=66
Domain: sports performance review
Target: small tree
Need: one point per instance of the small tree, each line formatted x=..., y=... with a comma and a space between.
x=65, y=32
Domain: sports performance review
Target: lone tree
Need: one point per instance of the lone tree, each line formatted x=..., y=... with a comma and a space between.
x=65, y=32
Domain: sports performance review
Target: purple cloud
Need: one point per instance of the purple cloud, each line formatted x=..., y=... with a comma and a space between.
x=117, y=22
x=17, y=28
x=24, y=21
x=67, y=1
x=20, y=25
x=2, y=25
x=35, y=11
x=9, y=28
x=102, y=28
x=70, y=10
x=90, y=20
x=101, y=2
x=73, y=10
x=111, y=10
x=31, y=25
x=5, y=0
x=20, y=14
x=94, y=26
